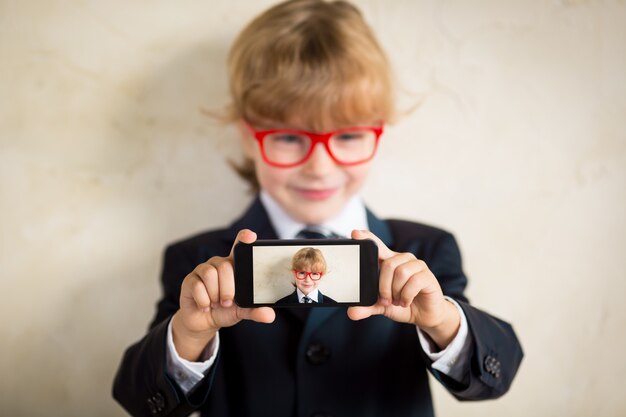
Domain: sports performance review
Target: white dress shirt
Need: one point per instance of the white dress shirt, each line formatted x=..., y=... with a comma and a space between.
x=452, y=361
x=313, y=295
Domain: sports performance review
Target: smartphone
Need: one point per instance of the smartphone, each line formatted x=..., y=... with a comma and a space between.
x=306, y=273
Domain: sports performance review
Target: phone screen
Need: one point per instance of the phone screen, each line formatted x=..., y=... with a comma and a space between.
x=325, y=273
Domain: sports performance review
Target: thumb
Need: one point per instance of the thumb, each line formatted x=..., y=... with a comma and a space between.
x=244, y=236
x=383, y=251
x=360, y=313
x=259, y=314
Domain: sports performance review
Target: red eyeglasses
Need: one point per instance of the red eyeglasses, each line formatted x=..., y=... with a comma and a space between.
x=287, y=148
x=302, y=275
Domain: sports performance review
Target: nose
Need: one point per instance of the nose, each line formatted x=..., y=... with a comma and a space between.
x=320, y=162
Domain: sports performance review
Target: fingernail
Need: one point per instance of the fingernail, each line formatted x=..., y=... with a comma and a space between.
x=206, y=309
x=227, y=303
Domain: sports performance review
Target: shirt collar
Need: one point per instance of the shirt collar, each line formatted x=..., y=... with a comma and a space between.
x=352, y=216
x=313, y=295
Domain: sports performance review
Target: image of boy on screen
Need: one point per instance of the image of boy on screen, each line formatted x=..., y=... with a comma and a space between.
x=309, y=267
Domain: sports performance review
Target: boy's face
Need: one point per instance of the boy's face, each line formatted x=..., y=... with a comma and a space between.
x=307, y=284
x=310, y=193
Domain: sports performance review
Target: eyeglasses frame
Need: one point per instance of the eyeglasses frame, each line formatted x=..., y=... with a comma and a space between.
x=316, y=138
x=308, y=275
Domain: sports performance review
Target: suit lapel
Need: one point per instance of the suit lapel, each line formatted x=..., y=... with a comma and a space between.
x=255, y=219
x=380, y=229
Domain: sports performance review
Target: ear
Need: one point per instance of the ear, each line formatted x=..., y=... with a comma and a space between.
x=247, y=141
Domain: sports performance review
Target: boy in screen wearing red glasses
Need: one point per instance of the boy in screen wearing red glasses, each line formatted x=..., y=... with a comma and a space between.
x=309, y=267
x=310, y=90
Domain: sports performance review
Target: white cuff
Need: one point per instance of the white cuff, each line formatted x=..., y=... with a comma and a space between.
x=454, y=359
x=188, y=374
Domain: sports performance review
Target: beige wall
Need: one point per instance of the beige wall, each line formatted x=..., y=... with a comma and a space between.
x=519, y=148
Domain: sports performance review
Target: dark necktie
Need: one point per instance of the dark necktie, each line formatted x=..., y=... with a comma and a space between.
x=306, y=300
x=316, y=234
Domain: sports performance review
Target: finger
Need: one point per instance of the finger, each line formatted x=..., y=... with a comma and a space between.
x=244, y=236
x=423, y=282
x=383, y=251
x=387, y=270
x=226, y=279
x=401, y=275
x=259, y=314
x=207, y=273
x=360, y=313
x=413, y=287
x=200, y=294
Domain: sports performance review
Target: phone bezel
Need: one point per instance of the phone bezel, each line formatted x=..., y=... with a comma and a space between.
x=368, y=271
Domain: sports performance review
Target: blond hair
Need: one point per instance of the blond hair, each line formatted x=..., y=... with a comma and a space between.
x=311, y=60
x=309, y=258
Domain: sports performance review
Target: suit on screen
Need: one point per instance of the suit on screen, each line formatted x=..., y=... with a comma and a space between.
x=293, y=299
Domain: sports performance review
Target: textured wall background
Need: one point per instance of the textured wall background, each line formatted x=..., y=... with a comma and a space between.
x=518, y=147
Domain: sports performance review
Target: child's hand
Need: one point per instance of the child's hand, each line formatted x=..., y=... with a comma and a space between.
x=409, y=293
x=206, y=303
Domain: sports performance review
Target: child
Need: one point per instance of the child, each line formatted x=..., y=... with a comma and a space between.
x=309, y=267
x=311, y=92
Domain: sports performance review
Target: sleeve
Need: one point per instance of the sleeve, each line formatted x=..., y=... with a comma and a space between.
x=142, y=385
x=185, y=373
x=496, y=353
x=452, y=361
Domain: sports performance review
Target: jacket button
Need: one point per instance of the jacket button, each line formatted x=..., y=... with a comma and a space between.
x=159, y=401
x=317, y=354
x=489, y=363
x=496, y=369
x=492, y=366
x=152, y=406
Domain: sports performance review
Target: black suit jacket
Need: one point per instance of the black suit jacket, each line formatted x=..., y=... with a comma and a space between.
x=293, y=299
x=321, y=361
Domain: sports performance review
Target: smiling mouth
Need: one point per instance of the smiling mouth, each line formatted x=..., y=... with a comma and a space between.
x=316, y=194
